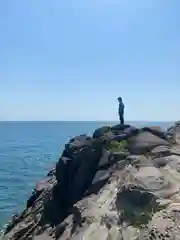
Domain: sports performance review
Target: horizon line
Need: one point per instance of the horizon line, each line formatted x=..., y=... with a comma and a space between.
x=165, y=121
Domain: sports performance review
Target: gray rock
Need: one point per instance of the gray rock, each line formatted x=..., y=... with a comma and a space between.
x=130, y=233
x=174, y=162
x=161, y=151
x=139, y=161
x=135, y=201
x=173, y=133
x=157, y=181
x=120, y=128
x=160, y=162
x=166, y=224
x=77, y=143
x=108, y=159
x=131, y=131
x=100, y=232
x=119, y=137
x=155, y=131
x=52, y=172
x=175, y=150
x=177, y=136
x=96, y=232
x=83, y=177
x=101, y=131
x=144, y=142
x=105, y=158
x=100, y=179
x=114, y=234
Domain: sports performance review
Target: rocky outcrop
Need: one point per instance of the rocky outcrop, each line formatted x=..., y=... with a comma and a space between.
x=173, y=133
x=121, y=183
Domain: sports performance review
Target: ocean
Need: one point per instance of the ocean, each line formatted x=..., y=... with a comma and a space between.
x=28, y=150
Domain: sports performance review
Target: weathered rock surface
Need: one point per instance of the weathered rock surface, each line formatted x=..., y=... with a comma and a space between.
x=145, y=141
x=121, y=184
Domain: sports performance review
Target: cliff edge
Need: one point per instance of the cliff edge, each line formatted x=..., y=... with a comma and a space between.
x=123, y=183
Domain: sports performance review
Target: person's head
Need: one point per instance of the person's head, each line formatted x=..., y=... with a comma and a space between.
x=119, y=99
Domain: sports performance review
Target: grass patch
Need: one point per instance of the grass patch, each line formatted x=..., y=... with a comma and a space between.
x=116, y=146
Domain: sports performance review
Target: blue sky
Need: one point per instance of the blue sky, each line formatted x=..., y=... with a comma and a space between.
x=70, y=60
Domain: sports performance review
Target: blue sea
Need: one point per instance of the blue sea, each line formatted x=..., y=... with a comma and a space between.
x=28, y=150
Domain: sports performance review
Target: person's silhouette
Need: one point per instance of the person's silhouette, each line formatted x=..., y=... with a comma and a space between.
x=121, y=110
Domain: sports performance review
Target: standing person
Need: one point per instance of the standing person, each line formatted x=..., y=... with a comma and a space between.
x=121, y=110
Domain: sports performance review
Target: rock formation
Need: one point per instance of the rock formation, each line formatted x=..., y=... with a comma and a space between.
x=122, y=183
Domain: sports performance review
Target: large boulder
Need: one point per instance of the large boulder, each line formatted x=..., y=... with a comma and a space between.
x=157, y=181
x=145, y=141
x=165, y=224
x=76, y=168
x=161, y=151
x=72, y=157
x=174, y=164
x=136, y=202
x=77, y=143
x=101, y=131
x=62, y=169
x=118, y=129
x=99, y=180
x=119, y=137
x=40, y=187
x=160, y=162
x=123, y=132
x=108, y=158
x=155, y=131
x=82, y=179
x=173, y=133
x=131, y=131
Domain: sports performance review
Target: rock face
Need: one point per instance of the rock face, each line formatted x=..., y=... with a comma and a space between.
x=122, y=183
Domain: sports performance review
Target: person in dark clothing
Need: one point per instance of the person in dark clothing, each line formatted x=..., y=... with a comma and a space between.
x=121, y=110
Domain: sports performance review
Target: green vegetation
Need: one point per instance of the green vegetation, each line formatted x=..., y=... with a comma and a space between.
x=116, y=146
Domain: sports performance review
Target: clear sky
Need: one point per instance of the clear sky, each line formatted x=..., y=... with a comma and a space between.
x=70, y=60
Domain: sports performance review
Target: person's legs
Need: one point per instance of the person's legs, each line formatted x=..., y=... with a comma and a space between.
x=119, y=118
x=122, y=118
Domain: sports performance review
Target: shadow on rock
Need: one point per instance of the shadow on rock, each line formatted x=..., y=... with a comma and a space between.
x=100, y=179
x=136, y=205
x=75, y=172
